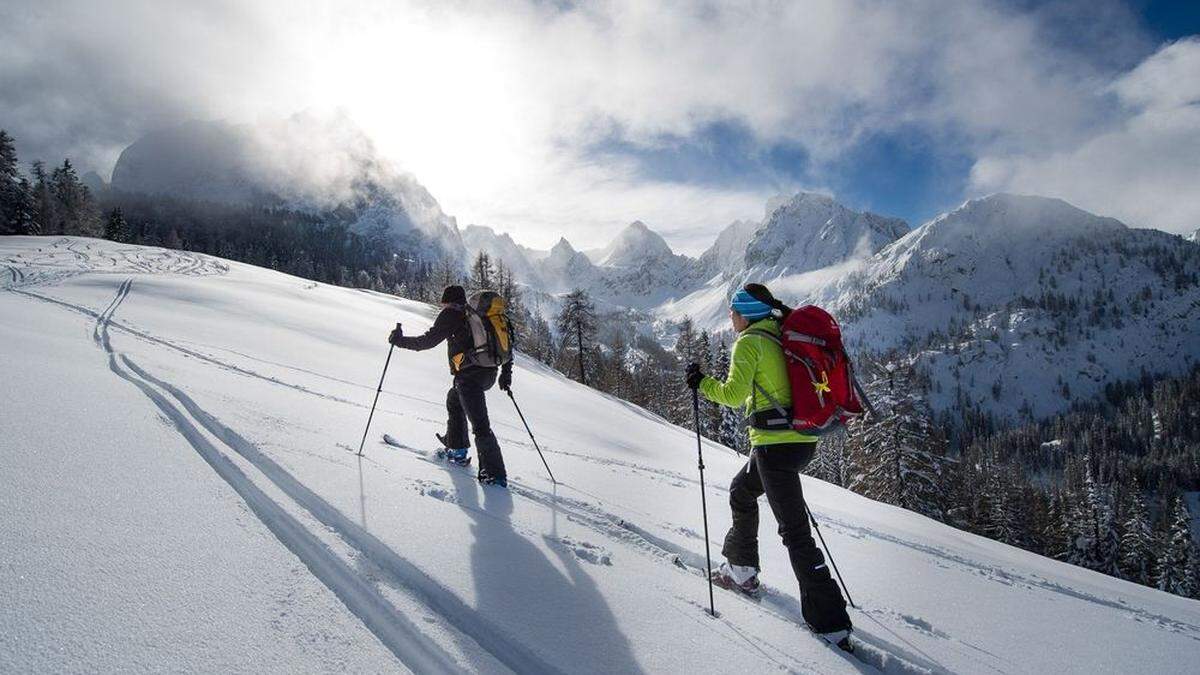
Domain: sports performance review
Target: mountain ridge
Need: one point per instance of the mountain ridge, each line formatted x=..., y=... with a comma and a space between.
x=272, y=164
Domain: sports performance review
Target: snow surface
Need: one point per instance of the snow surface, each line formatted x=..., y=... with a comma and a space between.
x=180, y=492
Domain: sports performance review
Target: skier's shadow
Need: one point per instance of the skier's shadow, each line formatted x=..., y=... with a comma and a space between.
x=519, y=588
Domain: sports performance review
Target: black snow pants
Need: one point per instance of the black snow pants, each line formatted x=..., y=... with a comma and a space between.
x=775, y=471
x=466, y=401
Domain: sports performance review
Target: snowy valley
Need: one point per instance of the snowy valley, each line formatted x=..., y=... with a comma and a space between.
x=181, y=491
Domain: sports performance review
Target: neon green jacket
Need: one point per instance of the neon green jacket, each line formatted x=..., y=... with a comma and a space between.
x=756, y=359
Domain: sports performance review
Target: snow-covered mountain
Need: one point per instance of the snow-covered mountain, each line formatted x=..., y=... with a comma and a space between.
x=501, y=247
x=638, y=269
x=180, y=492
x=1195, y=236
x=803, y=242
x=633, y=246
x=812, y=232
x=303, y=162
x=727, y=255
x=1020, y=303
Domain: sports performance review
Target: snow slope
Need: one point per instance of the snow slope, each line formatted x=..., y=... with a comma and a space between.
x=181, y=493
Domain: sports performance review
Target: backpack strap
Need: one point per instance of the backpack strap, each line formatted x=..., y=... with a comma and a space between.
x=803, y=337
x=784, y=415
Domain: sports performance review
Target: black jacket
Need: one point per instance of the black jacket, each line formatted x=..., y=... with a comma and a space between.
x=451, y=326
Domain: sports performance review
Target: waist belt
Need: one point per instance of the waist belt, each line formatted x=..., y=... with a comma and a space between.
x=775, y=418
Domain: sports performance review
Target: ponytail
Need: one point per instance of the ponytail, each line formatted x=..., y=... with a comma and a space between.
x=764, y=295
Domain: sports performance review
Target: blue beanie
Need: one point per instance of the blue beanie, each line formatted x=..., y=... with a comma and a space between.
x=751, y=308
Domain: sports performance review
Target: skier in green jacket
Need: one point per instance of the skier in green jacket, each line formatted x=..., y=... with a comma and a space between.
x=778, y=454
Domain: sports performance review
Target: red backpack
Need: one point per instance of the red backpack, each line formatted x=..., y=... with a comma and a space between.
x=825, y=393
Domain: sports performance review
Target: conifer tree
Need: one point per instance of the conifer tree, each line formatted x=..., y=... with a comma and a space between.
x=15, y=197
x=897, y=458
x=76, y=210
x=1175, y=548
x=1137, y=541
x=576, y=325
x=483, y=274
x=730, y=431
x=43, y=205
x=115, y=227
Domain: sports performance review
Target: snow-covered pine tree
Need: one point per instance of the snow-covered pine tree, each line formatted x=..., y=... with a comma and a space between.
x=1192, y=589
x=896, y=459
x=1175, y=548
x=730, y=431
x=15, y=197
x=1058, y=534
x=76, y=212
x=1137, y=540
x=43, y=204
x=1000, y=518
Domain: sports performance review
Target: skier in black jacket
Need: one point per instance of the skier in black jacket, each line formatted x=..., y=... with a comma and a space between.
x=465, y=400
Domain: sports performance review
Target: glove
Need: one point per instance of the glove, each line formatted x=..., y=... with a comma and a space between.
x=395, y=335
x=694, y=376
x=505, y=380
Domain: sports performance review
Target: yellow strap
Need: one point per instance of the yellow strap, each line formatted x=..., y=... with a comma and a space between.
x=823, y=385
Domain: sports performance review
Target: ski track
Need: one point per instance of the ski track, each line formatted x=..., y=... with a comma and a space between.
x=194, y=354
x=1009, y=578
x=404, y=640
x=396, y=632
x=875, y=652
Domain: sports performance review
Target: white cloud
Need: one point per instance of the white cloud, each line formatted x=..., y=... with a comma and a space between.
x=1146, y=171
x=494, y=106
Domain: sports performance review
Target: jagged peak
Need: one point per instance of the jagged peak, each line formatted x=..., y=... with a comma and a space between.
x=634, y=243
x=563, y=247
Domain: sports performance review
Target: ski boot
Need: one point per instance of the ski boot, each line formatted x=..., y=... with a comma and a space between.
x=452, y=455
x=739, y=579
x=486, y=478
x=839, y=639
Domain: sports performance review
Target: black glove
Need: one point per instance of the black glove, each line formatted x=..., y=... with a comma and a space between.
x=505, y=381
x=395, y=335
x=694, y=376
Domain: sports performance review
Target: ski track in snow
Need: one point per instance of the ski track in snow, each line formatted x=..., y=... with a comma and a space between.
x=872, y=651
x=65, y=258
x=403, y=639
x=1010, y=578
x=413, y=648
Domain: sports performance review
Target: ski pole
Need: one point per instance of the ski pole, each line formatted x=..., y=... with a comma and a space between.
x=712, y=610
x=817, y=528
x=376, y=401
x=528, y=431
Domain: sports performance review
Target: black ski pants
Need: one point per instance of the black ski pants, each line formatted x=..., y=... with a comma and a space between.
x=466, y=401
x=775, y=471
